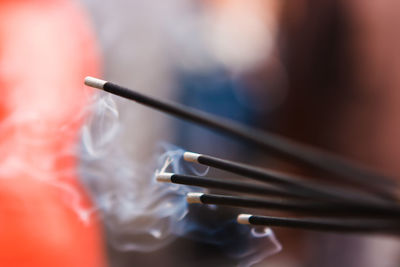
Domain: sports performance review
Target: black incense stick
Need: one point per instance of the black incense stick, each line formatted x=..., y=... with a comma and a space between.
x=303, y=206
x=269, y=142
x=321, y=224
x=227, y=185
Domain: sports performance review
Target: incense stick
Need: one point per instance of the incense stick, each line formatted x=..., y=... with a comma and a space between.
x=227, y=185
x=269, y=142
x=318, y=224
x=302, y=206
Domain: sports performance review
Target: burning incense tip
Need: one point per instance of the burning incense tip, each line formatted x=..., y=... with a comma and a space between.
x=164, y=177
x=244, y=218
x=94, y=82
x=194, y=197
x=191, y=157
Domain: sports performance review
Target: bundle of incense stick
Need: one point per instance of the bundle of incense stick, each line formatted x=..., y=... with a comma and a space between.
x=364, y=202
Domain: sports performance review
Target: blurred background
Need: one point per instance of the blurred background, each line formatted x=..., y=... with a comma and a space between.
x=324, y=72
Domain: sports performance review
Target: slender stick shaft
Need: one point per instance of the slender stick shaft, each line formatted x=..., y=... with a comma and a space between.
x=304, y=206
x=317, y=224
x=296, y=184
x=227, y=185
x=267, y=141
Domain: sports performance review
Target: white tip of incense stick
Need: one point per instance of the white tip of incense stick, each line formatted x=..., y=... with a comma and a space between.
x=191, y=157
x=94, y=82
x=164, y=177
x=244, y=218
x=194, y=197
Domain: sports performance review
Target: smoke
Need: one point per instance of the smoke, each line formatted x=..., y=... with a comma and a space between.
x=144, y=46
x=139, y=213
x=38, y=145
x=142, y=214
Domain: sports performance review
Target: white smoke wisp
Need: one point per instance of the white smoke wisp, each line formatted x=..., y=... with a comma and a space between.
x=38, y=144
x=139, y=212
x=142, y=214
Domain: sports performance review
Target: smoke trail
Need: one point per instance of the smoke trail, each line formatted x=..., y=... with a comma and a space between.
x=144, y=215
x=37, y=141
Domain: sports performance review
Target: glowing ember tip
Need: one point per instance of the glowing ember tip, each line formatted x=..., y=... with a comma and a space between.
x=191, y=157
x=244, y=218
x=194, y=197
x=164, y=177
x=94, y=82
